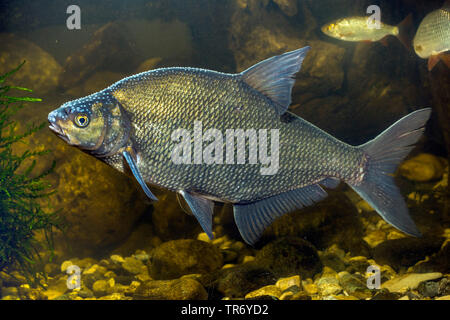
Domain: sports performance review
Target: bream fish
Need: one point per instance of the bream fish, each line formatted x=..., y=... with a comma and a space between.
x=131, y=125
x=432, y=39
x=360, y=29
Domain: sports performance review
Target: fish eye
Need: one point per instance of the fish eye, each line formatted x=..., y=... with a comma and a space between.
x=81, y=120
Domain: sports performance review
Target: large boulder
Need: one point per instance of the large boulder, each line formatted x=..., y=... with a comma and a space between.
x=178, y=289
x=41, y=72
x=99, y=204
x=121, y=46
x=290, y=256
x=109, y=46
x=176, y=258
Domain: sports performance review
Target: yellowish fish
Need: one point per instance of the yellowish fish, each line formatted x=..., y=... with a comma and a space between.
x=362, y=29
x=432, y=39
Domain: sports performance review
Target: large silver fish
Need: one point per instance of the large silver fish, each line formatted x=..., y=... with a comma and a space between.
x=136, y=123
x=432, y=39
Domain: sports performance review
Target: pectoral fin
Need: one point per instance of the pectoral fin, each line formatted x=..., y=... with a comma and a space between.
x=128, y=155
x=202, y=209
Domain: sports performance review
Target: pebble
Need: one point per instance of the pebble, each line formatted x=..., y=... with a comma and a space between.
x=178, y=289
x=363, y=206
x=56, y=288
x=133, y=265
x=328, y=284
x=423, y=167
x=311, y=288
x=285, y=283
x=270, y=290
x=286, y=295
x=375, y=237
x=65, y=265
x=117, y=259
x=101, y=287
x=85, y=293
x=142, y=277
x=428, y=289
x=92, y=274
x=142, y=257
x=129, y=290
x=409, y=281
x=204, y=237
x=353, y=285
x=248, y=259
x=114, y=296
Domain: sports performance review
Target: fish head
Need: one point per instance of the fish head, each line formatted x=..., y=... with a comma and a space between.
x=330, y=29
x=96, y=124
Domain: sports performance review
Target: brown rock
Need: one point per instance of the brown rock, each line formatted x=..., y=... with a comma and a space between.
x=289, y=256
x=289, y=7
x=179, y=289
x=109, y=47
x=423, y=167
x=99, y=204
x=41, y=72
x=169, y=219
x=176, y=258
x=406, y=252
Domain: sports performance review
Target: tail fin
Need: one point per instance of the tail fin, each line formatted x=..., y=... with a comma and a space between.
x=384, y=154
x=405, y=31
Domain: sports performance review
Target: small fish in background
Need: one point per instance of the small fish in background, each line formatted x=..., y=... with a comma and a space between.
x=432, y=40
x=358, y=29
x=129, y=125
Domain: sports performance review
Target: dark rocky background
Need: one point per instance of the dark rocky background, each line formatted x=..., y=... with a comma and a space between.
x=351, y=90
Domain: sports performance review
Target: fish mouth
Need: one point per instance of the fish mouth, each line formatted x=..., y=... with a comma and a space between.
x=58, y=131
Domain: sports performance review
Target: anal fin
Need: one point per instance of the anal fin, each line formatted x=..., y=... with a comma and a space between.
x=202, y=209
x=253, y=218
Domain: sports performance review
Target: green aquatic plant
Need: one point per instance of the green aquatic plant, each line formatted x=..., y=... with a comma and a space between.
x=21, y=192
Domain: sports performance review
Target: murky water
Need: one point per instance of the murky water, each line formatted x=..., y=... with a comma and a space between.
x=122, y=243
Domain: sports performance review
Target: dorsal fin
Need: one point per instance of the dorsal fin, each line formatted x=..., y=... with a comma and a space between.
x=275, y=77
